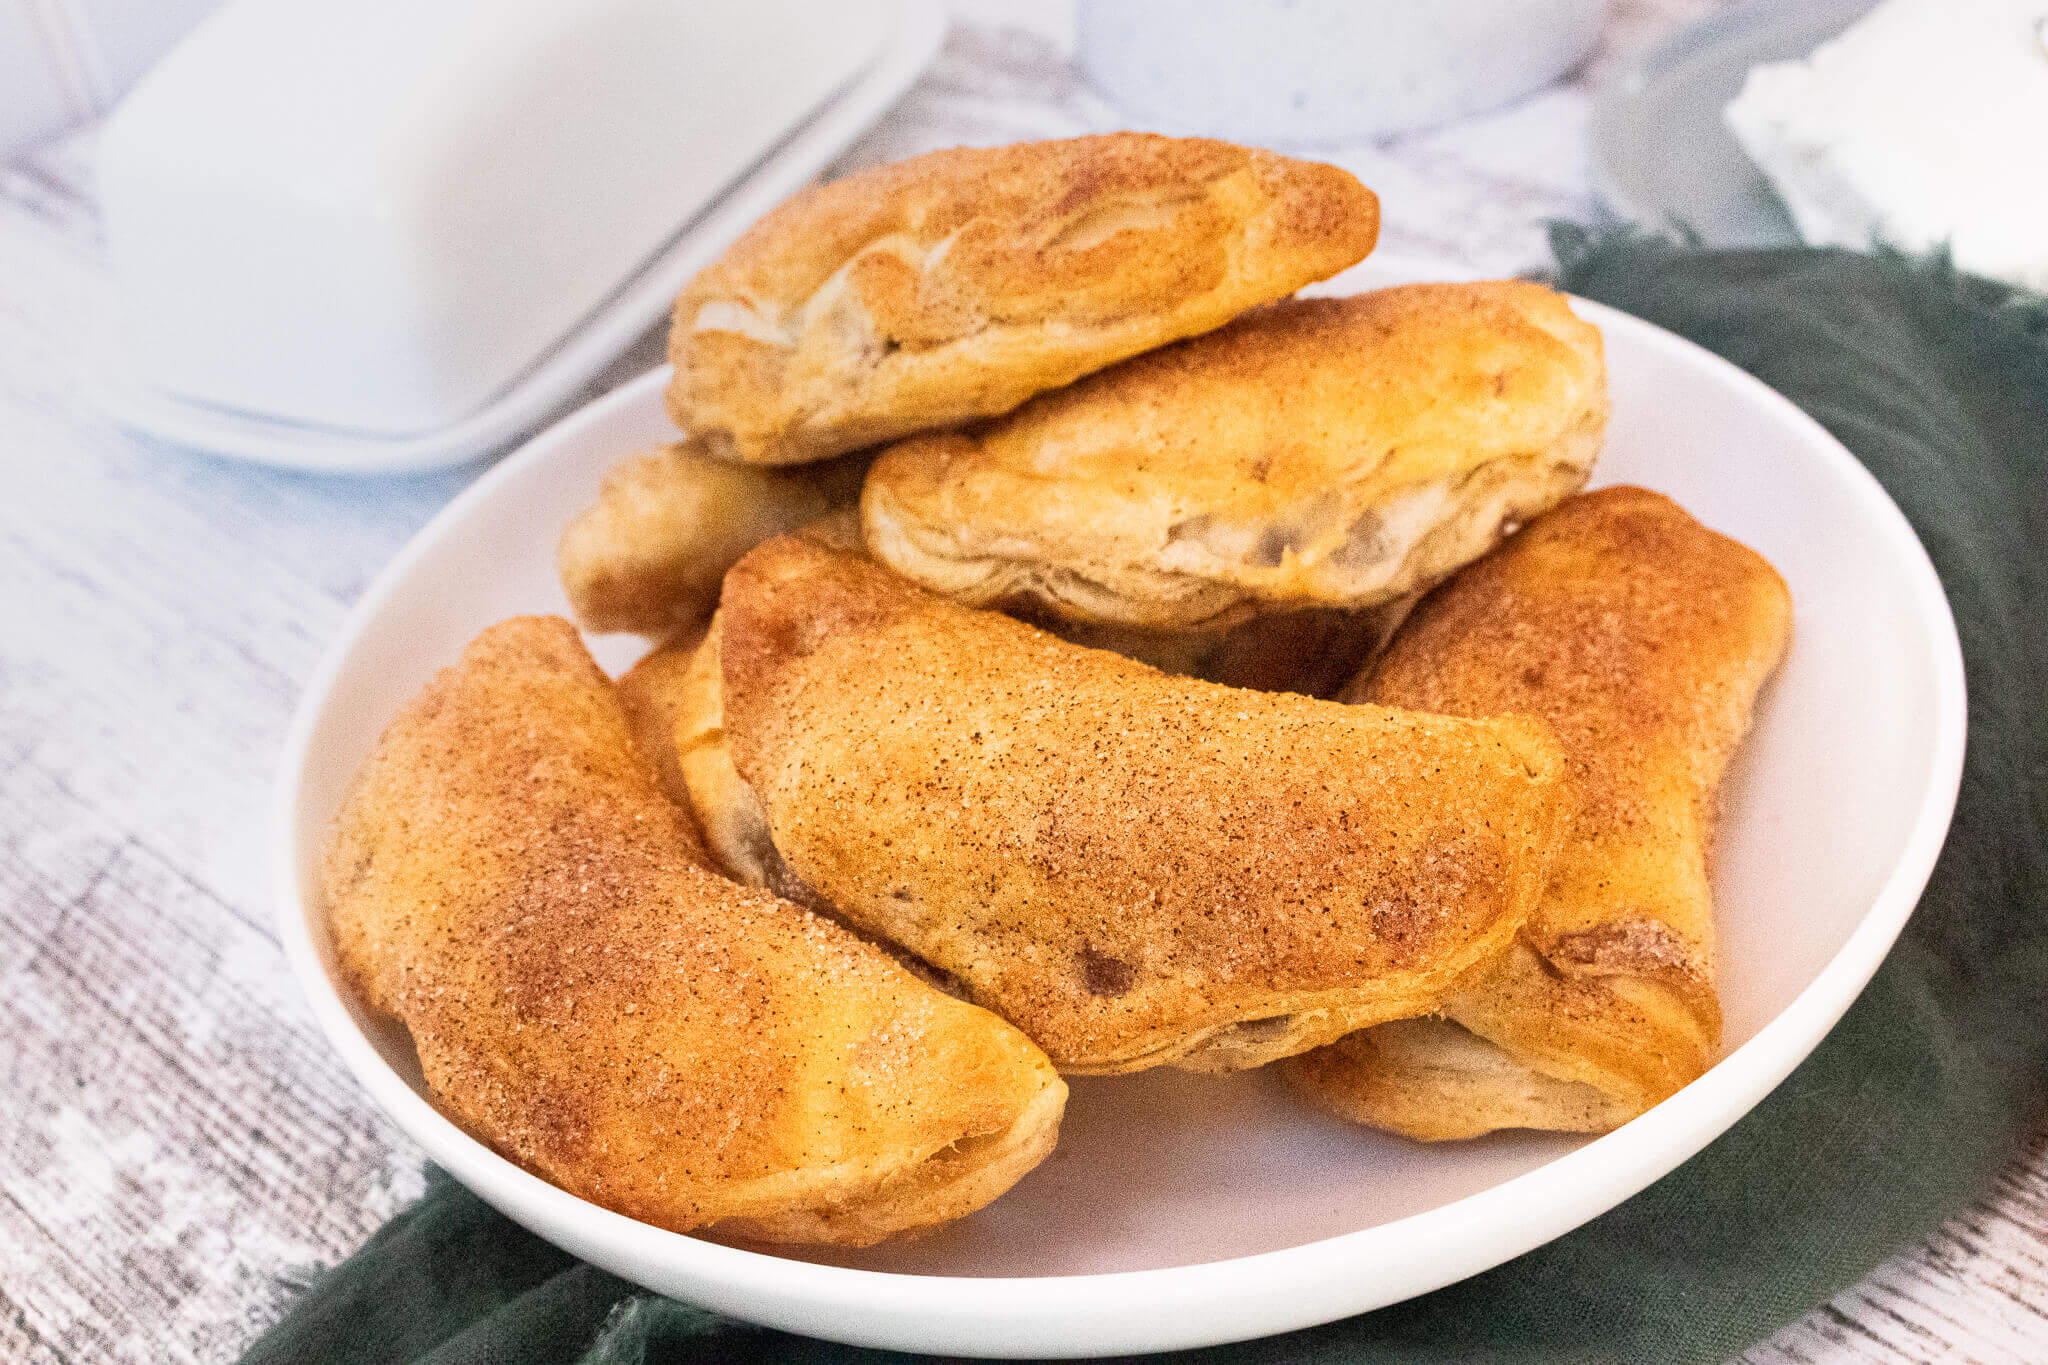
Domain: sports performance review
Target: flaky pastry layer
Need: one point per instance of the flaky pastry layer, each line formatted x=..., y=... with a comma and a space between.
x=957, y=284
x=1332, y=453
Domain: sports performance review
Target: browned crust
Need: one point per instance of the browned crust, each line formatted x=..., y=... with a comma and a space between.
x=1335, y=453
x=1135, y=869
x=648, y=555
x=673, y=698
x=590, y=1000
x=1433, y=1080
x=652, y=693
x=1642, y=638
x=957, y=284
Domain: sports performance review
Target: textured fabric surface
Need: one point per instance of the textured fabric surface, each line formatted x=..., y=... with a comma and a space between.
x=1939, y=383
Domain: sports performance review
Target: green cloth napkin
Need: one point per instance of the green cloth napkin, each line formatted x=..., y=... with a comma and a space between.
x=1939, y=383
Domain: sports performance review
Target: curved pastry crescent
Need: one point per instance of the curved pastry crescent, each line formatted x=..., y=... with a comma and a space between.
x=1135, y=869
x=1642, y=638
x=585, y=996
x=955, y=285
x=1335, y=453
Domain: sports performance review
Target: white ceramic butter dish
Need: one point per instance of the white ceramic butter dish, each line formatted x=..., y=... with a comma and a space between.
x=395, y=234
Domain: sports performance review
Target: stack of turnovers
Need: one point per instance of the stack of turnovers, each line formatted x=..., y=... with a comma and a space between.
x=593, y=1002
x=1256, y=505
x=1642, y=639
x=1135, y=869
x=946, y=288
x=980, y=454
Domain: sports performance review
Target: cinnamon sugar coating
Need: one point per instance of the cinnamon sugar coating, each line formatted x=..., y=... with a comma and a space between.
x=1136, y=869
x=593, y=1002
x=1642, y=639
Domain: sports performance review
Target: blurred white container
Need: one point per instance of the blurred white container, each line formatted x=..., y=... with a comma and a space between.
x=1924, y=124
x=1303, y=72
x=376, y=216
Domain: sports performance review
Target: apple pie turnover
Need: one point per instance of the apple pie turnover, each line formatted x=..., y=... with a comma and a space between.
x=1320, y=453
x=1133, y=868
x=1642, y=638
x=957, y=284
x=601, y=1008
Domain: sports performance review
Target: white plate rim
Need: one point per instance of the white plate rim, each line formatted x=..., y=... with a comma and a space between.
x=1184, y=1306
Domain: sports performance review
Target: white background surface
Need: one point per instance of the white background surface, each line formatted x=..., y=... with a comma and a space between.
x=177, y=1143
x=64, y=61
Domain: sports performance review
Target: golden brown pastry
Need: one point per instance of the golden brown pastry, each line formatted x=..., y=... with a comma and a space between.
x=590, y=1000
x=668, y=523
x=1135, y=869
x=672, y=698
x=1642, y=638
x=1433, y=1080
x=1334, y=453
x=957, y=284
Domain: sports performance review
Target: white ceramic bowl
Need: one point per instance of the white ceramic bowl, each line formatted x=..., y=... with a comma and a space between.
x=1183, y=1210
